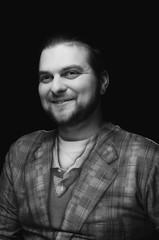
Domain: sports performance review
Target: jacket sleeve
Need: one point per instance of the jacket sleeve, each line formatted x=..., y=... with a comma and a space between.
x=9, y=224
x=152, y=191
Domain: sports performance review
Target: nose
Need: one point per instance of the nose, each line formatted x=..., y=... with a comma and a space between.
x=57, y=85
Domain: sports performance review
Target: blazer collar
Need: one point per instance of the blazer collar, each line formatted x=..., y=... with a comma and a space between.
x=46, y=144
x=96, y=176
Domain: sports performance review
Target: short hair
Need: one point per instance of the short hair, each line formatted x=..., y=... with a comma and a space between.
x=95, y=54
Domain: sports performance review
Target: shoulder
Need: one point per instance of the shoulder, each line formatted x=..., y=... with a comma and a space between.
x=120, y=136
x=135, y=141
x=129, y=145
x=34, y=137
x=28, y=143
x=24, y=148
x=135, y=148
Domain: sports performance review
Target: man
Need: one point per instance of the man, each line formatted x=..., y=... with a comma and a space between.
x=88, y=179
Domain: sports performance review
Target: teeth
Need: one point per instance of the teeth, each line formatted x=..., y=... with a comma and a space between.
x=60, y=102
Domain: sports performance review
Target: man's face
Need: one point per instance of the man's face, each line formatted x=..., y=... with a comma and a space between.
x=68, y=87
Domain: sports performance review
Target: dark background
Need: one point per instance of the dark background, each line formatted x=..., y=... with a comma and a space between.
x=129, y=36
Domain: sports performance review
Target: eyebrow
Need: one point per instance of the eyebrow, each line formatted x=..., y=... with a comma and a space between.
x=63, y=69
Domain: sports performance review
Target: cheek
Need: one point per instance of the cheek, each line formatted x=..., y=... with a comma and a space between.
x=42, y=90
x=88, y=92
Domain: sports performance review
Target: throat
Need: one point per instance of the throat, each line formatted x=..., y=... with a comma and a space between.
x=82, y=131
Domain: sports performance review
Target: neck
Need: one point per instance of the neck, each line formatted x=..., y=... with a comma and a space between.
x=82, y=130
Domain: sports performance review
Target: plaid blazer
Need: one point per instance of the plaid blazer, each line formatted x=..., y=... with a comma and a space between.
x=115, y=197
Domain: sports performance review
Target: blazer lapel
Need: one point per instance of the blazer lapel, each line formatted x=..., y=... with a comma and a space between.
x=37, y=175
x=96, y=176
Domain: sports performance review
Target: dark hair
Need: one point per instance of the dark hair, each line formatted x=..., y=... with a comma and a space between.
x=96, y=56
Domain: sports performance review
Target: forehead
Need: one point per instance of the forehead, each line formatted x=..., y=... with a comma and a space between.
x=63, y=55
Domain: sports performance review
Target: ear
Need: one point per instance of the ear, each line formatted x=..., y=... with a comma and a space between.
x=104, y=82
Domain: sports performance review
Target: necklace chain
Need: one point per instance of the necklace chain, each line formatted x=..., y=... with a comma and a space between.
x=73, y=160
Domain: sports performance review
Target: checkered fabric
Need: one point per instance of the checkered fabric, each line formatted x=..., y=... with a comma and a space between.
x=64, y=180
x=116, y=196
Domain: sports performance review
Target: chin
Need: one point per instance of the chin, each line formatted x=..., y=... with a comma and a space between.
x=62, y=119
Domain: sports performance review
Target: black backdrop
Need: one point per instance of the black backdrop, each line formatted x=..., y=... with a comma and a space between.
x=129, y=35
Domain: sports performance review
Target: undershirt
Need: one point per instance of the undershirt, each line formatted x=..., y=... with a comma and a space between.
x=68, y=152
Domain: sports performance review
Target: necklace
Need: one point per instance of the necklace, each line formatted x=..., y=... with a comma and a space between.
x=67, y=159
x=64, y=177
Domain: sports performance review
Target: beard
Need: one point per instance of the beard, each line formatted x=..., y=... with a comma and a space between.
x=75, y=114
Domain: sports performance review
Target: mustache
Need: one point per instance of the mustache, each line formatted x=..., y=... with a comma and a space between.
x=62, y=97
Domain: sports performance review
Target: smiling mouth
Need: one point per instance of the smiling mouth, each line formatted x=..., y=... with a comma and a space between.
x=61, y=101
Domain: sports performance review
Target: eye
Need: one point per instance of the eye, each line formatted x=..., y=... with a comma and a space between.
x=45, y=78
x=71, y=74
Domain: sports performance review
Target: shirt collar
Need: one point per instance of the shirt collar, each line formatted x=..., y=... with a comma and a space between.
x=80, y=160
